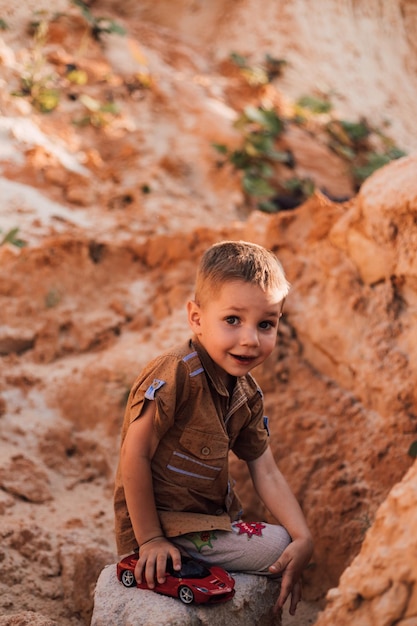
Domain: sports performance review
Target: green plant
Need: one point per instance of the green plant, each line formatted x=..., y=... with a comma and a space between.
x=273, y=66
x=356, y=141
x=299, y=186
x=98, y=25
x=372, y=162
x=36, y=82
x=258, y=157
x=97, y=114
x=315, y=104
x=76, y=76
x=348, y=138
x=259, y=74
x=11, y=238
x=364, y=147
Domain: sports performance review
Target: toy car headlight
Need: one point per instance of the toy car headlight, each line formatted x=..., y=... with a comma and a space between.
x=202, y=589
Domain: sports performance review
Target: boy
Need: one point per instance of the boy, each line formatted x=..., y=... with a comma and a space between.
x=186, y=410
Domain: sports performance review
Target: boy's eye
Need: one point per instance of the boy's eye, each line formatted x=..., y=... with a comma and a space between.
x=232, y=320
x=266, y=325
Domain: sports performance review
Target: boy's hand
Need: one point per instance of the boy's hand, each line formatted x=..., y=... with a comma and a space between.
x=152, y=561
x=291, y=564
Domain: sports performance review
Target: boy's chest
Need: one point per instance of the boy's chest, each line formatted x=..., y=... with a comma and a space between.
x=217, y=414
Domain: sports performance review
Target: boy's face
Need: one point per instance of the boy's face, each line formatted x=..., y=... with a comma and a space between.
x=238, y=326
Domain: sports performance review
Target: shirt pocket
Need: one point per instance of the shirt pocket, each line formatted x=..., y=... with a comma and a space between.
x=199, y=459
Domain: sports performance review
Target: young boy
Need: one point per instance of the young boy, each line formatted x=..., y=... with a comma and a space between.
x=186, y=410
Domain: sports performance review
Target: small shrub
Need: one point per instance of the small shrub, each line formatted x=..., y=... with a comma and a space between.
x=365, y=147
x=98, y=25
x=299, y=186
x=76, y=76
x=258, y=155
x=372, y=162
x=346, y=137
x=315, y=104
x=259, y=74
x=36, y=81
x=97, y=114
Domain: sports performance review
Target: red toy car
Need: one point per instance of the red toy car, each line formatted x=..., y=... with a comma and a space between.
x=194, y=582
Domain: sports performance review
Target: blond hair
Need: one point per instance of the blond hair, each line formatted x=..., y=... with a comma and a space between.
x=229, y=261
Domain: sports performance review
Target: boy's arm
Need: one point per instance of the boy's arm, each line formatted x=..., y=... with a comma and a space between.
x=137, y=451
x=277, y=496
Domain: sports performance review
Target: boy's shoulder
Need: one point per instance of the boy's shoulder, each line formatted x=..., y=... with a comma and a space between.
x=181, y=356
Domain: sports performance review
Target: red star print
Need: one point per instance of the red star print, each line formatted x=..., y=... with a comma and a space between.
x=250, y=528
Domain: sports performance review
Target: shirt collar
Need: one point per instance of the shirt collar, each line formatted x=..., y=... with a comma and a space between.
x=210, y=367
x=213, y=374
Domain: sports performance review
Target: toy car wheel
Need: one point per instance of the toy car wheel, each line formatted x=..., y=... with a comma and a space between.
x=128, y=578
x=185, y=595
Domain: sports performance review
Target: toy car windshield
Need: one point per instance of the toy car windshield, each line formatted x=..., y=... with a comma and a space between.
x=189, y=569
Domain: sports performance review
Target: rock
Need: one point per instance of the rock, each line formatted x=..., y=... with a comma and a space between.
x=378, y=234
x=26, y=618
x=116, y=605
x=81, y=566
x=15, y=340
x=379, y=588
x=25, y=479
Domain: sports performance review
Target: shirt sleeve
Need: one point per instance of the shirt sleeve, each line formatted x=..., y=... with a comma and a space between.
x=164, y=381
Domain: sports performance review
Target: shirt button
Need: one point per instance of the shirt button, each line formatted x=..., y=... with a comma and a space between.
x=205, y=451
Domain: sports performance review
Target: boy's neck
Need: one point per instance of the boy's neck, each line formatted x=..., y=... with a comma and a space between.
x=230, y=384
x=228, y=380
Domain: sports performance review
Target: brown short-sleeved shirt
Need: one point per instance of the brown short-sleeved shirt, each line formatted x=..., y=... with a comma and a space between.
x=197, y=423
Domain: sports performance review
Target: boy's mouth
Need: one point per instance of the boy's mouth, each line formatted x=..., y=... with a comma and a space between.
x=242, y=358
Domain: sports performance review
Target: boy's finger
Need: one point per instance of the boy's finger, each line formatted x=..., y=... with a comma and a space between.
x=295, y=597
x=138, y=571
x=285, y=592
x=176, y=560
x=150, y=573
x=282, y=598
x=279, y=565
x=161, y=568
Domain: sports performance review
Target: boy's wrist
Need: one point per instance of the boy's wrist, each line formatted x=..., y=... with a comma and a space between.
x=305, y=537
x=150, y=540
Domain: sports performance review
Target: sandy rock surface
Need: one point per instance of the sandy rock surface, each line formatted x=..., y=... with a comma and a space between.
x=116, y=193
x=133, y=607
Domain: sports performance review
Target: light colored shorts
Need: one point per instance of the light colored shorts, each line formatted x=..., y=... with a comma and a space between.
x=251, y=547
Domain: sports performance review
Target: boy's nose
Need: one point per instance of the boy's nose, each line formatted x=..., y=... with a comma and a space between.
x=249, y=337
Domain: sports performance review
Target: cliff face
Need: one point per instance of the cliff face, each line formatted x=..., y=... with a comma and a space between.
x=116, y=193
x=379, y=586
x=362, y=54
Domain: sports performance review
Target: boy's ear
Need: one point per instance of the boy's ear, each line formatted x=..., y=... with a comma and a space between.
x=194, y=316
